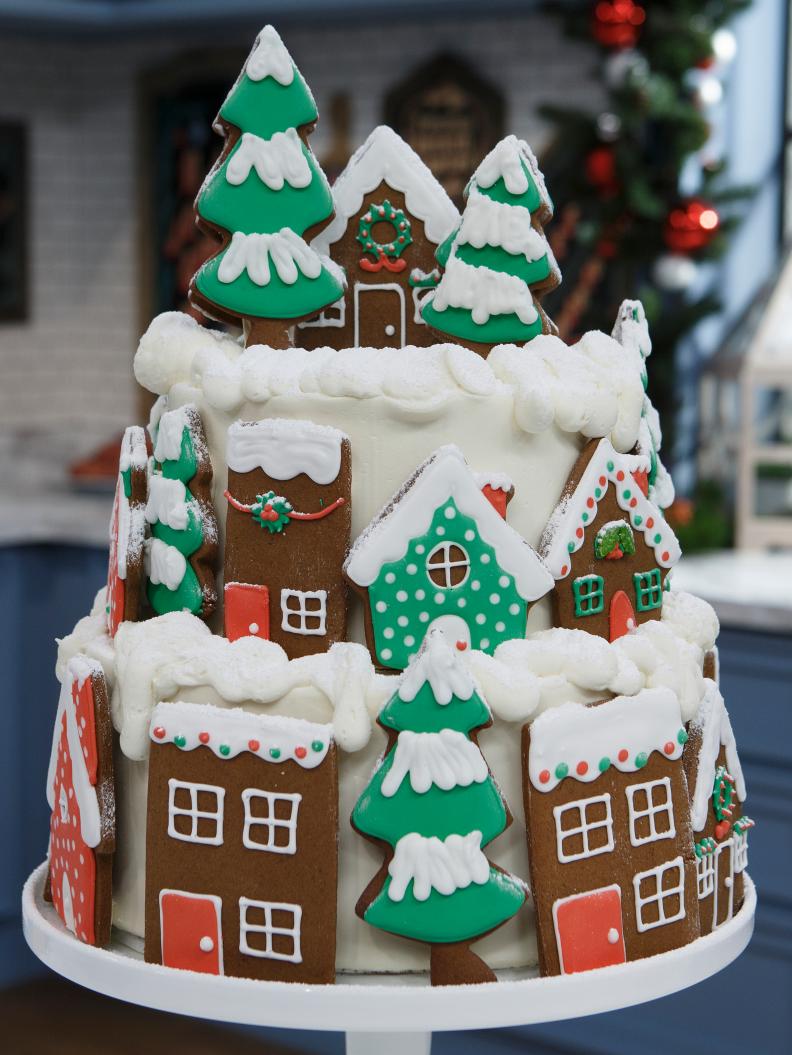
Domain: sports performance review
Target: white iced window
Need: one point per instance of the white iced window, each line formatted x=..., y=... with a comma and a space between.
x=195, y=812
x=333, y=315
x=419, y=296
x=270, y=930
x=660, y=895
x=740, y=850
x=705, y=875
x=304, y=611
x=651, y=812
x=448, y=565
x=270, y=821
x=63, y=803
x=584, y=828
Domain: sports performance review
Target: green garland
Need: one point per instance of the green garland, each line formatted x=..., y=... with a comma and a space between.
x=402, y=231
x=272, y=512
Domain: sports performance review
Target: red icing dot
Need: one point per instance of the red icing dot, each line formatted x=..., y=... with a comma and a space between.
x=633, y=503
x=669, y=748
x=461, y=645
x=544, y=776
x=300, y=752
x=565, y=569
x=650, y=522
x=579, y=532
x=602, y=481
x=623, y=755
x=581, y=768
x=159, y=732
x=254, y=745
x=619, y=475
x=664, y=555
x=203, y=737
x=590, y=503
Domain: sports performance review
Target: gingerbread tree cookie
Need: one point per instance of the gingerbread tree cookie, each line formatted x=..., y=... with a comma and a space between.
x=608, y=547
x=434, y=803
x=125, y=572
x=182, y=551
x=81, y=795
x=265, y=198
x=498, y=262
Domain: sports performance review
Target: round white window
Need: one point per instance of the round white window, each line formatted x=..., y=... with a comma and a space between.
x=448, y=565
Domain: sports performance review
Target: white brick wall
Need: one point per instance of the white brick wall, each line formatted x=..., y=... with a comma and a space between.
x=69, y=365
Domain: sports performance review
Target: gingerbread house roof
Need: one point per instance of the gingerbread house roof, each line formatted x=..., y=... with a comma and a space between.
x=284, y=448
x=444, y=476
x=577, y=510
x=386, y=157
x=77, y=671
x=583, y=742
x=712, y=721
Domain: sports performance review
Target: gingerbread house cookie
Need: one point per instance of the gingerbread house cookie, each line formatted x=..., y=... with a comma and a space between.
x=613, y=872
x=125, y=572
x=608, y=547
x=81, y=796
x=391, y=215
x=241, y=856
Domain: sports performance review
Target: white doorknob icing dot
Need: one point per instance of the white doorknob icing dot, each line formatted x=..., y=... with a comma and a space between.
x=613, y=936
x=206, y=944
x=728, y=881
x=390, y=329
x=253, y=628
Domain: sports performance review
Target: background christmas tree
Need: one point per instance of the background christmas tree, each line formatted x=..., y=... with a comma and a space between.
x=435, y=802
x=624, y=227
x=266, y=197
x=498, y=261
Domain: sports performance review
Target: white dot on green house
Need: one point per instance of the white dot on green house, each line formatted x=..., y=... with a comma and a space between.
x=481, y=619
x=381, y=606
x=485, y=642
x=485, y=558
x=450, y=513
x=494, y=598
x=439, y=530
x=500, y=627
x=420, y=549
x=420, y=595
x=514, y=609
x=386, y=653
x=475, y=585
x=390, y=577
x=402, y=620
x=461, y=602
x=439, y=598
x=388, y=632
x=470, y=535
x=412, y=569
x=424, y=617
x=401, y=595
x=503, y=581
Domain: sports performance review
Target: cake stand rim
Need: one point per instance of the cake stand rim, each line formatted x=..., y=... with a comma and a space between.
x=373, y=1004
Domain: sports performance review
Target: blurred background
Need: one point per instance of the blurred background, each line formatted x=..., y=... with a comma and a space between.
x=665, y=132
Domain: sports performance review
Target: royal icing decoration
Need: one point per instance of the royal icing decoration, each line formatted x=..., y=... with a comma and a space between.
x=446, y=760
x=431, y=864
x=270, y=58
x=252, y=253
x=276, y=161
x=713, y=721
x=285, y=448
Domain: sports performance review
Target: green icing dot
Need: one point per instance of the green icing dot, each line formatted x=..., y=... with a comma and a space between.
x=561, y=770
x=610, y=467
x=317, y=745
x=657, y=538
x=641, y=760
x=637, y=520
x=571, y=547
x=597, y=492
x=585, y=517
x=224, y=750
x=180, y=741
x=274, y=752
x=626, y=494
x=604, y=764
x=682, y=737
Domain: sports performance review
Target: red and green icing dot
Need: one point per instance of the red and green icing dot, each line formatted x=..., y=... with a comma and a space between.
x=581, y=769
x=254, y=745
x=300, y=752
x=544, y=776
x=180, y=740
x=623, y=755
x=203, y=737
x=317, y=745
x=669, y=747
x=604, y=764
x=274, y=752
x=682, y=736
x=561, y=770
x=159, y=732
x=640, y=760
x=224, y=750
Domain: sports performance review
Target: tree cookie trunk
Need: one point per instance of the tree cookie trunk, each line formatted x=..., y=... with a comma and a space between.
x=455, y=964
x=277, y=333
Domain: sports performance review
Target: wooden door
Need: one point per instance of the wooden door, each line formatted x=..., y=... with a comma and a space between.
x=723, y=903
x=190, y=931
x=589, y=930
x=379, y=315
x=622, y=615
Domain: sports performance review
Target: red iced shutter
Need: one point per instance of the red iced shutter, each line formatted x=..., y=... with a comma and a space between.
x=496, y=498
x=86, y=724
x=247, y=610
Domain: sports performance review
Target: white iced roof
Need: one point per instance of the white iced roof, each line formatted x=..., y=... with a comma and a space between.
x=386, y=157
x=284, y=448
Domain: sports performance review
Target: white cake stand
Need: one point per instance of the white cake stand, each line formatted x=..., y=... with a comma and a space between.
x=376, y=1011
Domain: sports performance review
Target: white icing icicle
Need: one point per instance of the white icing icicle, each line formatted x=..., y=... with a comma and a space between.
x=716, y=732
x=484, y=292
x=447, y=759
x=284, y=448
x=270, y=58
x=488, y=222
x=433, y=864
x=167, y=502
x=278, y=160
x=164, y=564
x=289, y=253
x=169, y=434
x=441, y=666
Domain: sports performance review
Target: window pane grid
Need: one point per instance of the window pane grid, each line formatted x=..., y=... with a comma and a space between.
x=442, y=563
x=648, y=590
x=660, y=890
x=265, y=910
x=705, y=875
x=589, y=594
x=304, y=611
x=586, y=820
x=213, y=817
x=651, y=803
x=279, y=834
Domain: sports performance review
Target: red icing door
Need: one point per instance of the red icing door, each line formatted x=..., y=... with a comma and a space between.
x=622, y=615
x=190, y=931
x=589, y=930
x=247, y=610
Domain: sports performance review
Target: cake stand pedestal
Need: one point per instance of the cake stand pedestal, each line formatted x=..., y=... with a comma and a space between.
x=380, y=1014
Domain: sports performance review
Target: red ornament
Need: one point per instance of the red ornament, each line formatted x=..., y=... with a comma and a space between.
x=617, y=23
x=254, y=745
x=203, y=737
x=601, y=170
x=300, y=752
x=669, y=748
x=581, y=769
x=690, y=226
x=722, y=830
x=159, y=732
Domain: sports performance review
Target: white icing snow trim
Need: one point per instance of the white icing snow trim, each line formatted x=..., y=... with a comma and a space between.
x=713, y=721
x=508, y=160
x=284, y=448
x=269, y=58
x=444, y=476
x=691, y=618
x=87, y=799
x=133, y=449
x=169, y=433
x=164, y=564
x=483, y=293
x=167, y=502
x=166, y=352
x=625, y=730
x=290, y=255
x=566, y=529
x=385, y=157
x=230, y=732
x=442, y=667
x=278, y=160
x=488, y=222
x=631, y=328
x=447, y=759
x=432, y=864
x=495, y=481
x=89, y=637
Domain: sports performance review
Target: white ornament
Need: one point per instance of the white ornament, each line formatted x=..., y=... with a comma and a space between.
x=724, y=45
x=674, y=272
x=623, y=66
